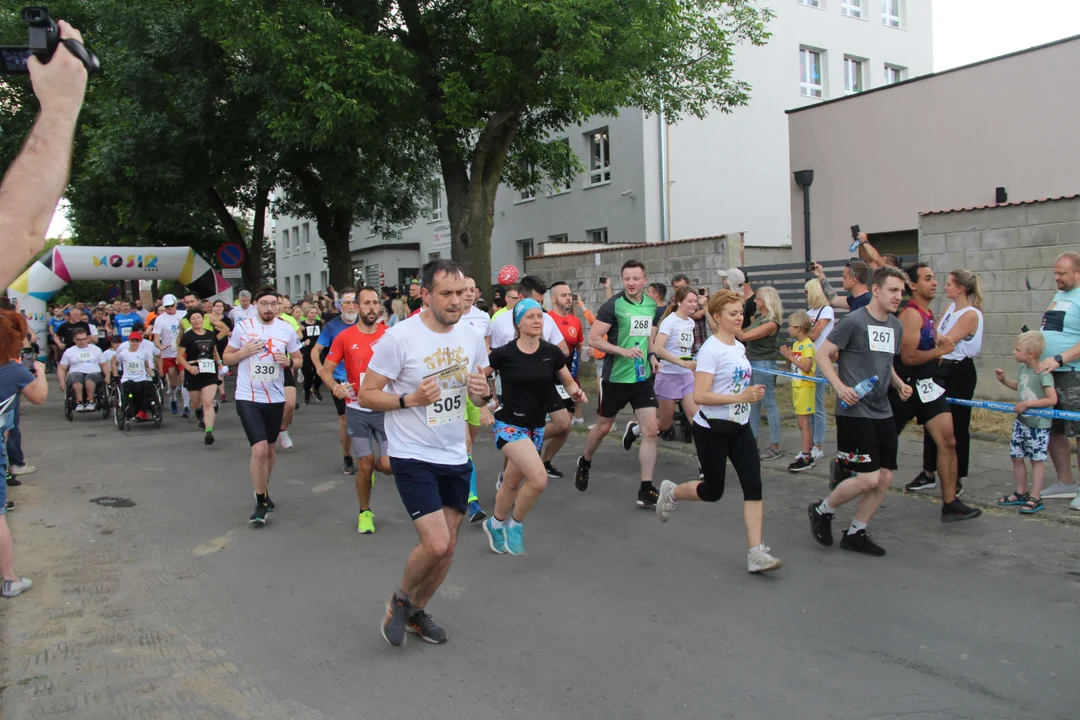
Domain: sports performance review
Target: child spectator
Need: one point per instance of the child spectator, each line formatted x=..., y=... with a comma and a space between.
x=801, y=357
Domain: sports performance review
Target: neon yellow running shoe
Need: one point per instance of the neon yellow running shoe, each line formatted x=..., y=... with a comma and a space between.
x=366, y=524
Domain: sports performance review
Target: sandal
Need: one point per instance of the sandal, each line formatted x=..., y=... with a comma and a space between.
x=1032, y=506
x=1013, y=500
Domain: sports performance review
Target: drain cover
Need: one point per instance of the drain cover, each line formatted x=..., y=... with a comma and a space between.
x=113, y=502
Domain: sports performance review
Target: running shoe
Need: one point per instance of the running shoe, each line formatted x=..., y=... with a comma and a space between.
x=668, y=434
x=1075, y=504
x=476, y=513
x=923, y=481
x=270, y=506
x=208, y=438
x=366, y=523
x=770, y=453
x=496, y=536
x=9, y=505
x=860, y=542
x=759, y=560
x=957, y=511
x=578, y=421
x=91, y=406
x=629, y=435
x=581, y=477
x=817, y=453
x=959, y=487
x=259, y=516
x=1059, y=491
x=318, y=396
x=11, y=481
x=802, y=462
x=186, y=414
x=667, y=502
x=820, y=524
x=348, y=468
x=173, y=408
x=515, y=539
x=14, y=588
x=80, y=408
x=393, y=625
x=23, y=469
x=420, y=623
x=285, y=439
x=647, y=497
x=552, y=471
x=199, y=412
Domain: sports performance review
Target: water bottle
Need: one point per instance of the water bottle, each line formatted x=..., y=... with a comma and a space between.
x=574, y=364
x=639, y=369
x=863, y=388
x=854, y=247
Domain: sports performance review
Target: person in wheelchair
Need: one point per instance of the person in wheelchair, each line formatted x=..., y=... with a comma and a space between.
x=82, y=369
x=135, y=362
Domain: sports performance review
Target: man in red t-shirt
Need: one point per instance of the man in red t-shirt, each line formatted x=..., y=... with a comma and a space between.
x=355, y=346
x=562, y=303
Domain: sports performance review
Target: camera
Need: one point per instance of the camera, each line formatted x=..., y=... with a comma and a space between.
x=43, y=42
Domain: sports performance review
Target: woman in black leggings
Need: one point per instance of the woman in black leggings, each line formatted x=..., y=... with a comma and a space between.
x=721, y=431
x=310, y=329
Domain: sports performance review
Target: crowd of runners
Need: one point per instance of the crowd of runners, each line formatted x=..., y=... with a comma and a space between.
x=416, y=380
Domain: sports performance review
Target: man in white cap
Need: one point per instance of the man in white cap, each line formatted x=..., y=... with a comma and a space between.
x=734, y=279
x=165, y=332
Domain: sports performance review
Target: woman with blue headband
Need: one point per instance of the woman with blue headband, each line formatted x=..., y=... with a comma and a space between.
x=529, y=367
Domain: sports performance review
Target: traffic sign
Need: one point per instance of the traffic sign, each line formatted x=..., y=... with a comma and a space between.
x=230, y=255
x=113, y=291
x=232, y=273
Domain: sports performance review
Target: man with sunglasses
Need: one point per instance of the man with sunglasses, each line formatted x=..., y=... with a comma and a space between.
x=856, y=276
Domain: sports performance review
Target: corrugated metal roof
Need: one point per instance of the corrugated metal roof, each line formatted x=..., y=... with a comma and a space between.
x=1007, y=204
x=628, y=246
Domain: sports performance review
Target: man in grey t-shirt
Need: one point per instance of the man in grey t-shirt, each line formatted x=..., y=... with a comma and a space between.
x=868, y=340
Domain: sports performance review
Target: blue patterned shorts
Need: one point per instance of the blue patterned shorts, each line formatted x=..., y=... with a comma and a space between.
x=506, y=433
x=1028, y=442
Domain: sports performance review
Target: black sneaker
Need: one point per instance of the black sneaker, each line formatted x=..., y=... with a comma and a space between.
x=924, y=481
x=270, y=506
x=959, y=488
x=420, y=623
x=348, y=468
x=12, y=481
x=581, y=477
x=820, y=524
x=552, y=471
x=199, y=415
x=860, y=542
x=259, y=516
x=838, y=473
x=668, y=434
x=186, y=415
x=393, y=625
x=318, y=396
x=208, y=439
x=802, y=462
x=202, y=425
x=628, y=436
x=647, y=497
x=957, y=511
x=9, y=505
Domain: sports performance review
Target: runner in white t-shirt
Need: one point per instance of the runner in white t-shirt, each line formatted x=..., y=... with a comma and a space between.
x=721, y=430
x=83, y=367
x=245, y=310
x=165, y=332
x=419, y=375
x=262, y=347
x=672, y=343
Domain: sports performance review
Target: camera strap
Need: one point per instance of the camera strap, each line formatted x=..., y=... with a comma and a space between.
x=89, y=60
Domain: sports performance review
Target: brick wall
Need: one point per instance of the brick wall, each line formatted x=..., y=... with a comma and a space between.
x=1012, y=248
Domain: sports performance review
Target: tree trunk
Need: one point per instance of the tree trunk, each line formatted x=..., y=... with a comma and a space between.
x=334, y=226
x=251, y=268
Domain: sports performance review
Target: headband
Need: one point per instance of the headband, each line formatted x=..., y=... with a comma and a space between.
x=523, y=307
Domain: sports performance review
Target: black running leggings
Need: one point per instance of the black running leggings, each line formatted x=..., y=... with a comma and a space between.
x=959, y=380
x=715, y=446
x=311, y=376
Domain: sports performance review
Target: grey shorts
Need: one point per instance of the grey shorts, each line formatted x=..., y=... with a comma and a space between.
x=364, y=429
x=83, y=377
x=1067, y=385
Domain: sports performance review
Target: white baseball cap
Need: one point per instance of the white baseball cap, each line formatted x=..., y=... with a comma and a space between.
x=168, y=300
x=733, y=278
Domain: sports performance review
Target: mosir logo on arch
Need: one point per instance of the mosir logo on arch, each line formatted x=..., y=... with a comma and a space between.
x=146, y=262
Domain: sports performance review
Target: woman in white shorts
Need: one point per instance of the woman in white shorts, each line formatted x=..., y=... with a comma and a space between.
x=675, y=337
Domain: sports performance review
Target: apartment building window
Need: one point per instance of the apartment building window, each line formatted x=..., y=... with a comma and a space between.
x=811, y=3
x=307, y=282
x=890, y=13
x=558, y=187
x=432, y=257
x=525, y=249
x=296, y=285
x=288, y=287
x=597, y=236
x=526, y=193
x=894, y=74
x=810, y=73
x=284, y=244
x=296, y=240
x=853, y=74
x=599, y=157
x=324, y=279
x=852, y=8
x=371, y=275
x=436, y=203
x=559, y=238
x=307, y=237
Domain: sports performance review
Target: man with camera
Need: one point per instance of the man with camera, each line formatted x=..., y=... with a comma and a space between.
x=36, y=179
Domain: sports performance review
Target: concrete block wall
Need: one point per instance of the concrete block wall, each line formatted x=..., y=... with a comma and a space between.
x=1012, y=249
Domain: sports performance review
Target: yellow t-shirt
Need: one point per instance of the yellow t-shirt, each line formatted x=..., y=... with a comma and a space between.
x=803, y=349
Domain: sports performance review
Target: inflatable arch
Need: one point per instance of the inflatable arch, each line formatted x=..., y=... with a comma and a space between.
x=64, y=263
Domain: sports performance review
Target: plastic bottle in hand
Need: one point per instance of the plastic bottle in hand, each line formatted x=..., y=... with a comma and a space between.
x=639, y=369
x=864, y=387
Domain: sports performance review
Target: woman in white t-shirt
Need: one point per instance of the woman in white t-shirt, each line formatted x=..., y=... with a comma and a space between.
x=723, y=392
x=672, y=344
x=823, y=318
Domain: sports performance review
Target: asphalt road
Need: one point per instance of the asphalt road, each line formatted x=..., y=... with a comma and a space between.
x=173, y=607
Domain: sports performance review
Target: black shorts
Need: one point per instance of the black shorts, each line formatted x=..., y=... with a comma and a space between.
x=289, y=377
x=261, y=421
x=615, y=396
x=555, y=403
x=427, y=487
x=339, y=404
x=195, y=383
x=865, y=445
x=904, y=411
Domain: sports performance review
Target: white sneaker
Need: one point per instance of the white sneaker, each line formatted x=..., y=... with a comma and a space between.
x=577, y=421
x=286, y=441
x=81, y=407
x=667, y=502
x=816, y=453
x=758, y=559
x=90, y=407
x=1059, y=491
x=1075, y=504
x=13, y=588
x=23, y=469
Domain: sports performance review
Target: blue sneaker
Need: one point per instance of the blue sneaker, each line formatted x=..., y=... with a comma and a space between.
x=496, y=537
x=476, y=513
x=515, y=539
x=172, y=406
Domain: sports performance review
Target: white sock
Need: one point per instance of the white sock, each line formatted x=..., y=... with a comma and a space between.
x=496, y=523
x=856, y=526
x=825, y=509
x=187, y=397
x=512, y=523
x=637, y=430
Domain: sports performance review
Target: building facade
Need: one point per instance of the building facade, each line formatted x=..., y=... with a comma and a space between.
x=647, y=180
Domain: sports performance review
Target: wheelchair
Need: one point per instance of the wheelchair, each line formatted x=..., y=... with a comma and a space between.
x=102, y=403
x=123, y=424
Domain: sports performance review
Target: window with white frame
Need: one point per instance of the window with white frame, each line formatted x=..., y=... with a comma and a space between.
x=852, y=8
x=307, y=237
x=811, y=3
x=599, y=157
x=436, y=203
x=288, y=287
x=526, y=193
x=894, y=74
x=296, y=240
x=324, y=279
x=296, y=285
x=525, y=248
x=559, y=238
x=307, y=282
x=597, y=236
x=854, y=74
x=890, y=13
x=284, y=244
x=558, y=187
x=810, y=80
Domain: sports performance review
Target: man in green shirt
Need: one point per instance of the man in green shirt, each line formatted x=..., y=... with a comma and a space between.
x=622, y=329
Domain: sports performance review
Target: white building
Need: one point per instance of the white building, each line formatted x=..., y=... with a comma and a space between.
x=723, y=172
